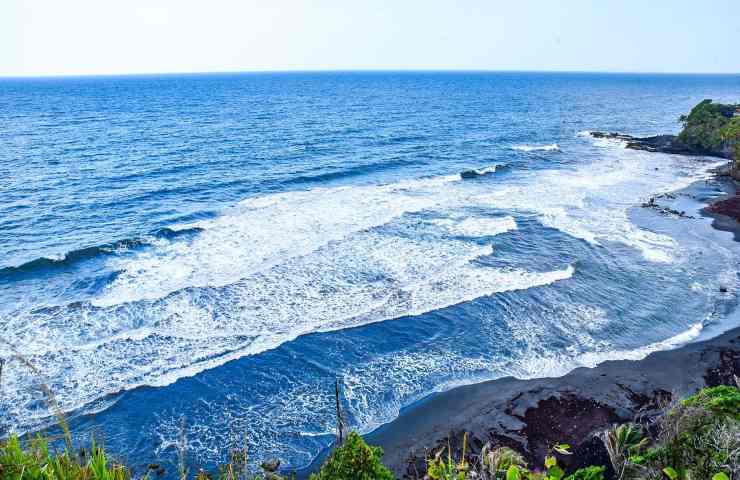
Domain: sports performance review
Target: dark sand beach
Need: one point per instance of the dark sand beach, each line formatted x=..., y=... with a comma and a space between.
x=532, y=415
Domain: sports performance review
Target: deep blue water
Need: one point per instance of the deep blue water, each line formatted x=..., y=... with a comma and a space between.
x=217, y=249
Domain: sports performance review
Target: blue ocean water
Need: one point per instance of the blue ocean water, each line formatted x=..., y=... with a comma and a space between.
x=214, y=250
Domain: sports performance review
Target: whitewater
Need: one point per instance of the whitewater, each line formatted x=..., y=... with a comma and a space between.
x=225, y=267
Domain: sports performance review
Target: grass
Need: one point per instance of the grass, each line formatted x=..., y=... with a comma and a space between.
x=695, y=439
x=34, y=461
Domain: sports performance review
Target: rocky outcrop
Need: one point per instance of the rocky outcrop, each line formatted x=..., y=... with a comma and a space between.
x=468, y=174
x=661, y=143
x=729, y=207
x=710, y=129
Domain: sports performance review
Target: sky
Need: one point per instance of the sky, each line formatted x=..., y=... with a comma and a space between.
x=79, y=37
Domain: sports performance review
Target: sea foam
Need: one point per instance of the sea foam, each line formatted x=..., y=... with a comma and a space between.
x=537, y=148
x=275, y=267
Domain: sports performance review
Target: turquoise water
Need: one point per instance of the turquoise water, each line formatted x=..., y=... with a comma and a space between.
x=217, y=249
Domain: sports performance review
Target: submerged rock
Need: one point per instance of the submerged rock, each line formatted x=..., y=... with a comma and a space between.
x=271, y=465
x=470, y=174
x=665, y=210
x=481, y=172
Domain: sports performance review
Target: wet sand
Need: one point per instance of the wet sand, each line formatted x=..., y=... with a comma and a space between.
x=532, y=415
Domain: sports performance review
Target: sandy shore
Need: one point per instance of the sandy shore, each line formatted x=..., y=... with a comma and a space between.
x=531, y=415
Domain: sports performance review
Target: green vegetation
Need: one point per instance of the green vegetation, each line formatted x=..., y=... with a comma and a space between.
x=697, y=438
x=503, y=463
x=714, y=128
x=35, y=462
x=724, y=401
x=703, y=126
x=354, y=460
x=730, y=135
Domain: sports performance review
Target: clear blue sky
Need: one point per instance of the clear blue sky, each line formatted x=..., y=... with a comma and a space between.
x=51, y=37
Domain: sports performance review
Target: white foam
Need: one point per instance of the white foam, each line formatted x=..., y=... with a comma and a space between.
x=489, y=169
x=279, y=266
x=478, y=226
x=592, y=202
x=560, y=364
x=537, y=148
x=262, y=232
x=367, y=276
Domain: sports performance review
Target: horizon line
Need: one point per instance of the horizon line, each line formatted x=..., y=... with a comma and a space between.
x=351, y=70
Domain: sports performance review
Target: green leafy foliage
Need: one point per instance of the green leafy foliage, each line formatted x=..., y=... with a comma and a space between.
x=36, y=462
x=588, y=473
x=514, y=473
x=722, y=400
x=355, y=460
x=730, y=135
x=702, y=126
x=501, y=459
x=622, y=443
x=697, y=438
x=670, y=473
x=562, y=449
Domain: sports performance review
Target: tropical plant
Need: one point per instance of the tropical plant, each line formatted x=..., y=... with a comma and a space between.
x=36, y=462
x=588, y=473
x=722, y=400
x=496, y=460
x=701, y=127
x=622, y=442
x=354, y=460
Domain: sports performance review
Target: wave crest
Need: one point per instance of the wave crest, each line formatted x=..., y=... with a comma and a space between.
x=553, y=147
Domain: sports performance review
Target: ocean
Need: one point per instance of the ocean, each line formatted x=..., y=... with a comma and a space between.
x=200, y=257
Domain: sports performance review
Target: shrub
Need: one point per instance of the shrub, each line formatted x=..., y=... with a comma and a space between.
x=730, y=134
x=722, y=400
x=500, y=459
x=622, y=443
x=703, y=124
x=354, y=460
x=588, y=473
x=697, y=438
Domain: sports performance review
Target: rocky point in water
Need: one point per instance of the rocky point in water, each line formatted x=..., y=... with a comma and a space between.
x=656, y=143
x=710, y=129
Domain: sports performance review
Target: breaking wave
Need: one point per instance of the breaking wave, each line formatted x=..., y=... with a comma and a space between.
x=553, y=147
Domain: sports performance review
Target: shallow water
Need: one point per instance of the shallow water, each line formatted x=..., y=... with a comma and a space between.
x=220, y=248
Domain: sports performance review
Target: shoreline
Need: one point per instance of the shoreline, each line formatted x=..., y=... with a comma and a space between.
x=531, y=414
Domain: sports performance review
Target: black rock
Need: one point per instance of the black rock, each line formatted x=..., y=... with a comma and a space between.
x=271, y=465
x=470, y=174
x=659, y=143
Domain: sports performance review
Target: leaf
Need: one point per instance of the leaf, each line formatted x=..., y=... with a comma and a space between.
x=550, y=461
x=555, y=473
x=513, y=473
x=670, y=473
x=720, y=476
x=563, y=449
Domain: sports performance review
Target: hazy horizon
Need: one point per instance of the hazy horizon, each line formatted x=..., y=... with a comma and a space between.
x=84, y=37
x=359, y=70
